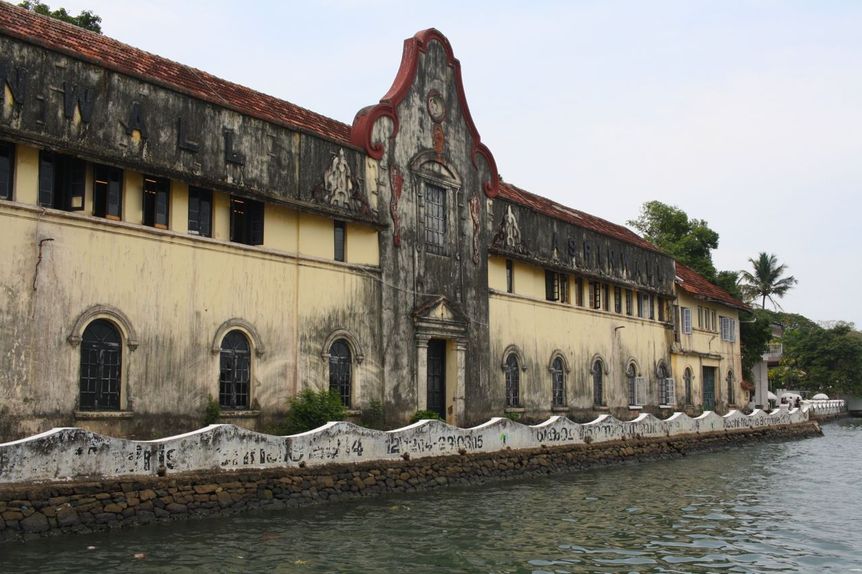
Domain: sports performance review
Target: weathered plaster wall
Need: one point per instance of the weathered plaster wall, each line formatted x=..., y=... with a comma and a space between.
x=176, y=291
x=705, y=348
x=73, y=453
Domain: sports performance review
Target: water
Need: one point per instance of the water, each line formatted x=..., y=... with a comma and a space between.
x=784, y=507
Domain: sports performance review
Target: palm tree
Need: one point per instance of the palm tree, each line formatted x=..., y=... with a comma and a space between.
x=766, y=280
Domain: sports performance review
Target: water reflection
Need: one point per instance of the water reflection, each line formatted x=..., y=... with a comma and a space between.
x=789, y=507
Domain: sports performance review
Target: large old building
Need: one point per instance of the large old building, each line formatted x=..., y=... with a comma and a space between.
x=170, y=237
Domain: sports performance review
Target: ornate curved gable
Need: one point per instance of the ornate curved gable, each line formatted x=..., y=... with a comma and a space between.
x=422, y=68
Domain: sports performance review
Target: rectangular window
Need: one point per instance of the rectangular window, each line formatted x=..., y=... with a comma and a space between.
x=200, y=211
x=629, y=302
x=699, y=317
x=552, y=286
x=340, y=236
x=668, y=391
x=640, y=305
x=618, y=300
x=661, y=309
x=606, y=297
x=157, y=193
x=637, y=392
x=246, y=221
x=714, y=321
x=510, y=276
x=107, y=192
x=686, y=321
x=595, y=295
x=677, y=324
x=61, y=181
x=435, y=219
x=728, y=329
x=651, y=303
x=579, y=292
x=564, y=288
x=7, y=164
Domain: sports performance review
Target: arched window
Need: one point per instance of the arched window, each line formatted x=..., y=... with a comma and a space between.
x=687, y=378
x=631, y=380
x=731, y=395
x=101, y=366
x=558, y=382
x=513, y=380
x=340, y=365
x=598, y=383
x=235, y=373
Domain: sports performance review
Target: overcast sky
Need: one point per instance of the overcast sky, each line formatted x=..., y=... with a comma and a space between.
x=746, y=114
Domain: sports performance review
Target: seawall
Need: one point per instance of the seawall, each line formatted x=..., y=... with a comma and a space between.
x=82, y=506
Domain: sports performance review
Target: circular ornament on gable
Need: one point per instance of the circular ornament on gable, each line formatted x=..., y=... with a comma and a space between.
x=436, y=106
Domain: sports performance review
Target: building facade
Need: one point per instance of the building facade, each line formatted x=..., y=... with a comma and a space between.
x=171, y=238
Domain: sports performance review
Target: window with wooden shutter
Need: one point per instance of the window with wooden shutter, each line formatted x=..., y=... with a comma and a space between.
x=246, y=221
x=61, y=181
x=200, y=211
x=7, y=163
x=340, y=231
x=552, y=286
x=107, y=192
x=156, y=201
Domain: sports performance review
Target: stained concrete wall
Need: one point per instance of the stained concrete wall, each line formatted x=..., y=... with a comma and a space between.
x=73, y=453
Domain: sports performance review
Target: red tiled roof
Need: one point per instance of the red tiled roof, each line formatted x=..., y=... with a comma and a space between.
x=556, y=210
x=693, y=282
x=124, y=59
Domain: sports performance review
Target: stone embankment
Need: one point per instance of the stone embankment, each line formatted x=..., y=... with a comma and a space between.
x=31, y=510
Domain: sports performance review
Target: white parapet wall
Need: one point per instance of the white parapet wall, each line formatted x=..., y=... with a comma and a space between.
x=77, y=454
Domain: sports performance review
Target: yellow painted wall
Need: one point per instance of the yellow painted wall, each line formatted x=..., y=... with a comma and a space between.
x=362, y=245
x=280, y=228
x=26, y=174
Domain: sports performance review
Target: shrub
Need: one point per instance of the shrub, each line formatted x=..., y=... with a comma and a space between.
x=421, y=415
x=212, y=412
x=513, y=416
x=311, y=409
x=372, y=415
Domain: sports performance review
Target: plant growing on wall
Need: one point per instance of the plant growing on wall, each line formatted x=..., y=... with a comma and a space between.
x=372, y=416
x=311, y=409
x=424, y=415
x=212, y=412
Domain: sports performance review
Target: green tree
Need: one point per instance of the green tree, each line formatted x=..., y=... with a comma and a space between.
x=86, y=19
x=754, y=336
x=766, y=281
x=819, y=359
x=690, y=241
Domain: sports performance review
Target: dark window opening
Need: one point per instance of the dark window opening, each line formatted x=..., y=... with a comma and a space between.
x=510, y=276
x=579, y=292
x=435, y=219
x=157, y=192
x=661, y=309
x=513, y=380
x=7, y=163
x=595, y=295
x=101, y=362
x=340, y=235
x=641, y=305
x=107, y=192
x=200, y=211
x=631, y=379
x=552, y=286
x=677, y=325
x=606, y=292
x=235, y=371
x=731, y=394
x=340, y=364
x=598, y=383
x=628, y=302
x=687, y=379
x=558, y=383
x=564, y=288
x=61, y=181
x=246, y=221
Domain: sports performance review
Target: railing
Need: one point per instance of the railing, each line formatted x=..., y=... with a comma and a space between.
x=824, y=408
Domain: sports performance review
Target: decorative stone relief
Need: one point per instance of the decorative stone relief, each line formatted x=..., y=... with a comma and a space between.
x=396, y=181
x=338, y=182
x=509, y=234
x=474, y=217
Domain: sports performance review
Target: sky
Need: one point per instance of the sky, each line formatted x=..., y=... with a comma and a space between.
x=745, y=114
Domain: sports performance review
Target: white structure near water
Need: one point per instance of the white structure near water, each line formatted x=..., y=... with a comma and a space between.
x=75, y=454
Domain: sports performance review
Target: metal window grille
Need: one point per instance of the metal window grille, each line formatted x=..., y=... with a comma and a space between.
x=687, y=378
x=558, y=383
x=101, y=362
x=340, y=367
x=7, y=163
x=668, y=391
x=513, y=380
x=235, y=371
x=598, y=384
x=596, y=290
x=640, y=391
x=200, y=211
x=435, y=219
x=552, y=286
